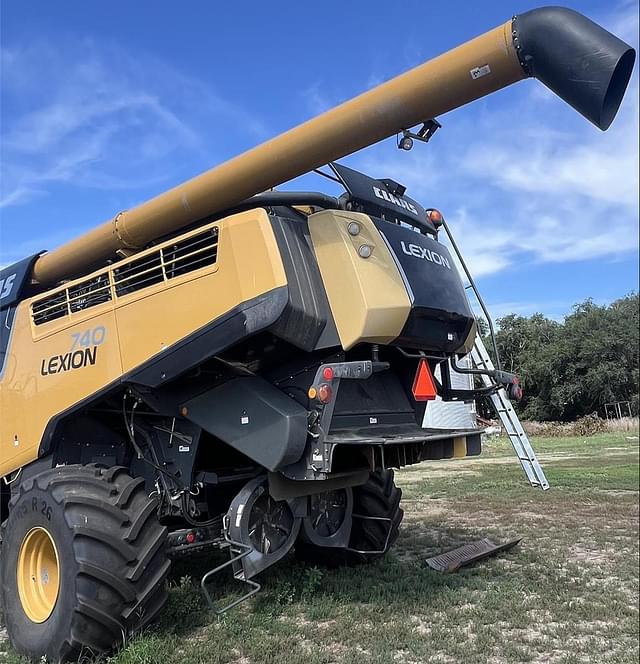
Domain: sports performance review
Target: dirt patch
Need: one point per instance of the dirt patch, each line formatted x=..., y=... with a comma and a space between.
x=464, y=467
x=325, y=624
x=421, y=475
x=402, y=656
x=580, y=553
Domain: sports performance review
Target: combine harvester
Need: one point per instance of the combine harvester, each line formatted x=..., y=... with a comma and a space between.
x=222, y=367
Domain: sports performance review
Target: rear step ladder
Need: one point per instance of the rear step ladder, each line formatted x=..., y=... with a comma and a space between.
x=527, y=457
x=481, y=360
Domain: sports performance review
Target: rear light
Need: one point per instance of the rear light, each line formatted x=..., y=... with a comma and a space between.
x=424, y=387
x=324, y=393
x=327, y=373
x=515, y=391
x=435, y=217
x=321, y=393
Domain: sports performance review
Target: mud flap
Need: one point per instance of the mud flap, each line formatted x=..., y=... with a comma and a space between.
x=453, y=560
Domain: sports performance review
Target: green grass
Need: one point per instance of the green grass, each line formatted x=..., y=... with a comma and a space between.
x=567, y=594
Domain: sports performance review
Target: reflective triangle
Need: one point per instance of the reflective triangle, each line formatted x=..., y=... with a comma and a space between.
x=424, y=387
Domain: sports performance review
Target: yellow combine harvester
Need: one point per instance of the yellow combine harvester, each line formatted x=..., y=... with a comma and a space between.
x=221, y=367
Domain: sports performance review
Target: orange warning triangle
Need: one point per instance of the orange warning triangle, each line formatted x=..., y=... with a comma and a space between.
x=424, y=387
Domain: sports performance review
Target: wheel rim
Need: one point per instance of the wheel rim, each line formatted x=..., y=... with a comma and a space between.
x=38, y=574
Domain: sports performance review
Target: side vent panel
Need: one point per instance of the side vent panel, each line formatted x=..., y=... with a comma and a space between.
x=89, y=293
x=191, y=254
x=55, y=306
x=138, y=274
x=169, y=261
x=78, y=297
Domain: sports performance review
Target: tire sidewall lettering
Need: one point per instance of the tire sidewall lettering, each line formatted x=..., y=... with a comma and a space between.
x=35, y=508
x=24, y=508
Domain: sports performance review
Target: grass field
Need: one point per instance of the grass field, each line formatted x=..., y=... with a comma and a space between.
x=567, y=594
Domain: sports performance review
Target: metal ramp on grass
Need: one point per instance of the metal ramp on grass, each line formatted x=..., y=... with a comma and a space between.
x=502, y=405
x=452, y=561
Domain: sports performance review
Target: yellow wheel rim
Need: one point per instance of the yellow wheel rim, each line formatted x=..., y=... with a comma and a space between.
x=38, y=574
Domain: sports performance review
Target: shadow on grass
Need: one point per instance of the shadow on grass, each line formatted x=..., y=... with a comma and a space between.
x=392, y=585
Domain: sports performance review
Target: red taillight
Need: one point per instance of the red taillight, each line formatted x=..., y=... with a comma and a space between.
x=327, y=373
x=515, y=391
x=191, y=537
x=424, y=387
x=324, y=393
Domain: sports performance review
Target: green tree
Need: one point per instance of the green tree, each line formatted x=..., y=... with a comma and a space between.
x=573, y=368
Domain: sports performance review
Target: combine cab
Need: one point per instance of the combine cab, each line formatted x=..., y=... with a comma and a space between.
x=224, y=368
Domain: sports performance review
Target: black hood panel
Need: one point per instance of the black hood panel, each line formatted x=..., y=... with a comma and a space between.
x=440, y=317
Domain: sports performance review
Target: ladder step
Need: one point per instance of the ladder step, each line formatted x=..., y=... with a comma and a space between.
x=509, y=418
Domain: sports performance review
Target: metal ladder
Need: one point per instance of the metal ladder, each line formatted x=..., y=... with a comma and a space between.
x=521, y=445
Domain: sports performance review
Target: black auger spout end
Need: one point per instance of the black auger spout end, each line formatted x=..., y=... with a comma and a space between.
x=584, y=64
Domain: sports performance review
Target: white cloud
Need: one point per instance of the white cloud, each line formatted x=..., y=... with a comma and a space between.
x=529, y=181
x=571, y=197
x=96, y=115
x=316, y=99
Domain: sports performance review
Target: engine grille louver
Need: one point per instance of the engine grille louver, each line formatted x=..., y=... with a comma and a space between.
x=138, y=274
x=89, y=293
x=166, y=263
x=50, y=308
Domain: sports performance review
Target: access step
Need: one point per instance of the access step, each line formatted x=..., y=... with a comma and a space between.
x=453, y=560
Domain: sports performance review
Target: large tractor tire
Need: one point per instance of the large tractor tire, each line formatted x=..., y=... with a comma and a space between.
x=83, y=562
x=378, y=497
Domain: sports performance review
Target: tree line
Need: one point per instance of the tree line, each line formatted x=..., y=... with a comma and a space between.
x=573, y=368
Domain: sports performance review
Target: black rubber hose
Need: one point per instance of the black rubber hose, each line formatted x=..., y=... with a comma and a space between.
x=584, y=64
x=288, y=199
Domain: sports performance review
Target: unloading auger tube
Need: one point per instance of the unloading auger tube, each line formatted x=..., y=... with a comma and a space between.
x=581, y=62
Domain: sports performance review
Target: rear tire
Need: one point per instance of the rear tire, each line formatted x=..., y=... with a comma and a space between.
x=107, y=555
x=377, y=497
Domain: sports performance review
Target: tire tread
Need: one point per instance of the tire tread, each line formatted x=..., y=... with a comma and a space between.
x=379, y=496
x=132, y=539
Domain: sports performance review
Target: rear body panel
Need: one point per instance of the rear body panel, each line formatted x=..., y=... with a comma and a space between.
x=88, y=346
x=407, y=292
x=147, y=320
x=440, y=317
x=368, y=298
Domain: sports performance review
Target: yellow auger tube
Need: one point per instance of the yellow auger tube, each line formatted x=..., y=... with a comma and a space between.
x=550, y=43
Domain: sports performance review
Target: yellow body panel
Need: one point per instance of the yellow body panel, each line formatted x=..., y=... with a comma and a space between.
x=459, y=447
x=28, y=399
x=248, y=266
x=368, y=298
x=131, y=328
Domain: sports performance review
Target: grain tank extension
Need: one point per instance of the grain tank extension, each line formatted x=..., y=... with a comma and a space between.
x=228, y=366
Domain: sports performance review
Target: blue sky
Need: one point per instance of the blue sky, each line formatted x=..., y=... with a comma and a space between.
x=107, y=104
